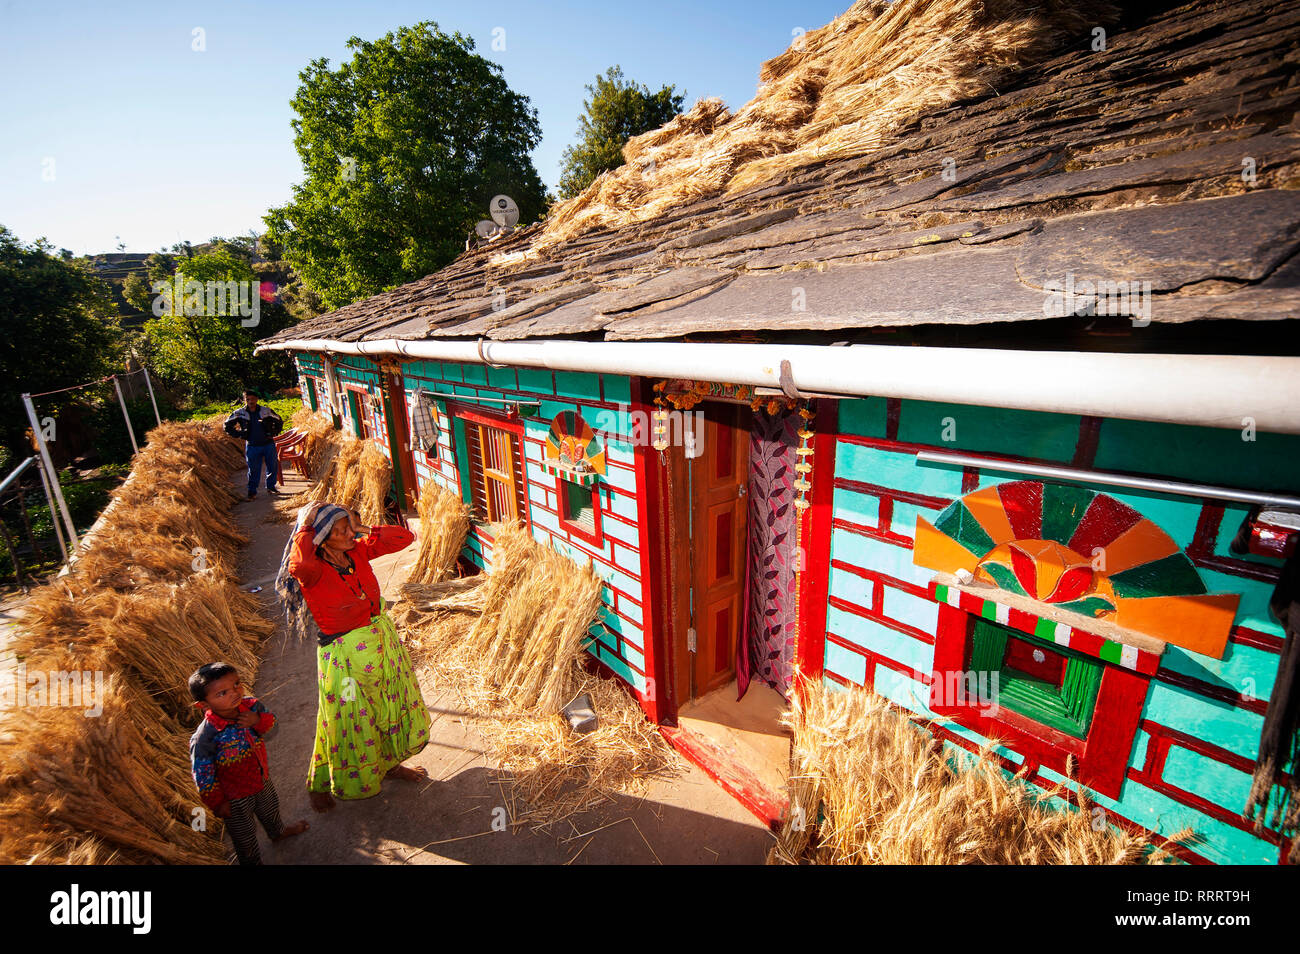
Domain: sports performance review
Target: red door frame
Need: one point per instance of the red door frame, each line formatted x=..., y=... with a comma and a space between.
x=815, y=540
x=656, y=701
x=363, y=395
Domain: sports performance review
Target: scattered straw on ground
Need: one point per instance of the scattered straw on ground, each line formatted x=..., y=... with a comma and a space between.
x=868, y=786
x=840, y=91
x=151, y=599
x=509, y=647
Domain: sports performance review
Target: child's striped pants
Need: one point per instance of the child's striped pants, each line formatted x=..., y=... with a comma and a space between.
x=265, y=806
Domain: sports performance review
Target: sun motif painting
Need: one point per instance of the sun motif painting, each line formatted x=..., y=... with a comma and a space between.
x=1082, y=552
x=572, y=449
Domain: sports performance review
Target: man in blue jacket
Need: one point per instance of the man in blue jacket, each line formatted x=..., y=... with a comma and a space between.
x=259, y=426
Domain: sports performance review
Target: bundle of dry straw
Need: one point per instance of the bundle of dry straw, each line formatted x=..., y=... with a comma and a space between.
x=444, y=524
x=321, y=435
x=354, y=474
x=839, y=91
x=151, y=598
x=868, y=786
x=510, y=646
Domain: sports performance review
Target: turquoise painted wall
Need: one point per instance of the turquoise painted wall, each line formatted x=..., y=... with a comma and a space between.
x=892, y=620
x=602, y=400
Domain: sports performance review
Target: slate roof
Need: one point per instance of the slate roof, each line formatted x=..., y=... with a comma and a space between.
x=1123, y=165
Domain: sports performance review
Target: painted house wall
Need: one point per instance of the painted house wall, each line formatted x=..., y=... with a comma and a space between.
x=357, y=371
x=311, y=372
x=604, y=403
x=1199, y=730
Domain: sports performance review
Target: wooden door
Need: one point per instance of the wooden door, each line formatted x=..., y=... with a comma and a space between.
x=719, y=481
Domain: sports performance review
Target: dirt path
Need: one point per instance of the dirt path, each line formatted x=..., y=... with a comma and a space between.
x=686, y=820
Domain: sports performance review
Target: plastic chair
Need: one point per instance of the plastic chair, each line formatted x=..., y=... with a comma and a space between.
x=291, y=449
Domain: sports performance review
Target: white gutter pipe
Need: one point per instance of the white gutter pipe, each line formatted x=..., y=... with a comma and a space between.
x=1247, y=393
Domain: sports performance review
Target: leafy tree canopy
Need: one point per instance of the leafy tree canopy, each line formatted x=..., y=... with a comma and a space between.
x=208, y=352
x=402, y=146
x=58, y=328
x=617, y=110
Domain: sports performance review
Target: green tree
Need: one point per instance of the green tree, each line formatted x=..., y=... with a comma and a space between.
x=618, y=110
x=403, y=146
x=208, y=352
x=58, y=328
x=137, y=292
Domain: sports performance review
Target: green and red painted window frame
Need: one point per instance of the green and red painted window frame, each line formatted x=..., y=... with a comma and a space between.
x=1101, y=755
x=594, y=536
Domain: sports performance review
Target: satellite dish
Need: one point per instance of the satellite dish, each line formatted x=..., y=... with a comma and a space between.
x=485, y=229
x=504, y=211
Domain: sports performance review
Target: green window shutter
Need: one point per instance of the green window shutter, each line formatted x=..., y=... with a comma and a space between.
x=989, y=645
x=462, y=460
x=1067, y=708
x=578, y=507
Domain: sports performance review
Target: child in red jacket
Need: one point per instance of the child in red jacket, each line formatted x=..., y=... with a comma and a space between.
x=228, y=758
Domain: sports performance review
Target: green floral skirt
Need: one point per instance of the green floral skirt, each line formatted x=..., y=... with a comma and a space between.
x=370, y=714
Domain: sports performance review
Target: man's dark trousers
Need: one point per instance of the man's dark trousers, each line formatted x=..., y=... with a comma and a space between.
x=257, y=455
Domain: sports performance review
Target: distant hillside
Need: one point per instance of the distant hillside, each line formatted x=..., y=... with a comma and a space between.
x=116, y=267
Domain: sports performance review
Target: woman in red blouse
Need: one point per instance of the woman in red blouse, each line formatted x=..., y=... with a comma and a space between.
x=371, y=716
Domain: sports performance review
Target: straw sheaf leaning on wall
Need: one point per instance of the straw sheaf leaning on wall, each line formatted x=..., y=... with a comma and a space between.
x=349, y=472
x=321, y=436
x=868, y=786
x=509, y=645
x=840, y=91
x=151, y=598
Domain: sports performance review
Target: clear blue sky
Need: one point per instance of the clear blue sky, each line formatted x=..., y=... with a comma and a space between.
x=157, y=143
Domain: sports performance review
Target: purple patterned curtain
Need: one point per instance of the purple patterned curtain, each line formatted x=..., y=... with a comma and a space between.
x=766, y=648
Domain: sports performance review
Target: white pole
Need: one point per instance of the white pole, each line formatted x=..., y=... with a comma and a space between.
x=49, y=465
x=149, y=384
x=122, y=401
x=54, y=519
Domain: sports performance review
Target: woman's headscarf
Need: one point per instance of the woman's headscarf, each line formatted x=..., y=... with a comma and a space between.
x=298, y=619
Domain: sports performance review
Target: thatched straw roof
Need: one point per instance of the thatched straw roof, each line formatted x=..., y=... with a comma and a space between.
x=925, y=162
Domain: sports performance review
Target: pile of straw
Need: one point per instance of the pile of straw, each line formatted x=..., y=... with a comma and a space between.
x=142, y=607
x=509, y=646
x=321, y=436
x=868, y=786
x=444, y=524
x=556, y=773
x=354, y=474
x=838, y=92
x=537, y=610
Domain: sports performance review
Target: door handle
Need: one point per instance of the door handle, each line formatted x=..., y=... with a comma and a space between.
x=742, y=489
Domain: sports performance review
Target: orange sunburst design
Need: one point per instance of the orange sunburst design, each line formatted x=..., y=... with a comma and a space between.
x=1046, y=571
x=1082, y=551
